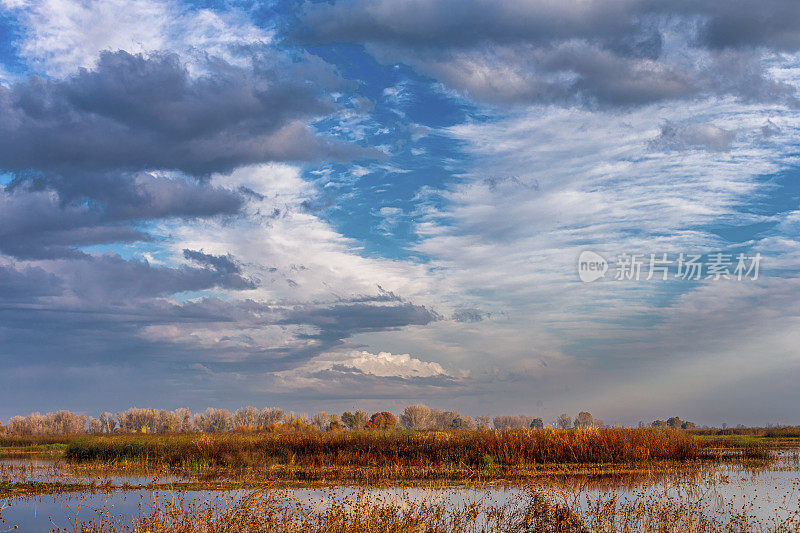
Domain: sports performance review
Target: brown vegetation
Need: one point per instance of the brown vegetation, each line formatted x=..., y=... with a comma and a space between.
x=486, y=452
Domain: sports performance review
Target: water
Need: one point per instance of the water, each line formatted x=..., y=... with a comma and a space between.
x=766, y=493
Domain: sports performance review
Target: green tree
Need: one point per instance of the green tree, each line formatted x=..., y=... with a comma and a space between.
x=356, y=420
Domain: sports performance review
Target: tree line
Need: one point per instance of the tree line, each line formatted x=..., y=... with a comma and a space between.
x=416, y=417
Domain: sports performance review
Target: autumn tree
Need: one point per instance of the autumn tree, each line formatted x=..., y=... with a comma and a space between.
x=382, y=420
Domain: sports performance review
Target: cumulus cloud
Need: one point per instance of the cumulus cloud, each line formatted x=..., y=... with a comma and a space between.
x=383, y=364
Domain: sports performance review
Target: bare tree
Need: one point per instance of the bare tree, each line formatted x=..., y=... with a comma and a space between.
x=107, y=422
x=483, y=422
x=95, y=426
x=512, y=422
x=269, y=416
x=584, y=420
x=246, y=418
x=417, y=417
x=564, y=421
x=185, y=416
x=213, y=420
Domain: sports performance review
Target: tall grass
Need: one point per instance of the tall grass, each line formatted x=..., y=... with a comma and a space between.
x=474, y=449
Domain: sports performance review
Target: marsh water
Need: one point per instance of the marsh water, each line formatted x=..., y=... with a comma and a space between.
x=769, y=492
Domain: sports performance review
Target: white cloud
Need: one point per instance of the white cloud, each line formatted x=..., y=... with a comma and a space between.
x=61, y=35
x=325, y=367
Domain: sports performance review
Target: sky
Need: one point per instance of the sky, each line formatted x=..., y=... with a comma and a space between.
x=375, y=203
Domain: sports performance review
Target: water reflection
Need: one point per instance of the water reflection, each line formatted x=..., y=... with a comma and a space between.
x=766, y=491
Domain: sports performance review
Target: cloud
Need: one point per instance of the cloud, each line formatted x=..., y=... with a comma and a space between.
x=51, y=216
x=627, y=52
x=27, y=284
x=690, y=135
x=61, y=36
x=142, y=113
x=374, y=374
x=222, y=263
x=383, y=364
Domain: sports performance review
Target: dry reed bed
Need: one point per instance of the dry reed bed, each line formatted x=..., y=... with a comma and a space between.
x=401, y=449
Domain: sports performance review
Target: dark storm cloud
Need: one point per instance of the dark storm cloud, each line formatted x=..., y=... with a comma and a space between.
x=92, y=281
x=771, y=23
x=137, y=196
x=27, y=283
x=745, y=23
x=460, y=23
x=33, y=224
x=343, y=320
x=594, y=52
x=112, y=277
x=138, y=113
x=50, y=216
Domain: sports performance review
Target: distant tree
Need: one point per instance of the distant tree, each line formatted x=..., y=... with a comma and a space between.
x=483, y=422
x=95, y=426
x=584, y=420
x=269, y=416
x=213, y=420
x=462, y=422
x=2, y=428
x=658, y=424
x=107, y=422
x=246, y=418
x=382, y=420
x=688, y=425
x=18, y=425
x=674, y=422
x=355, y=420
x=417, y=417
x=184, y=415
x=512, y=422
x=564, y=421
x=322, y=421
x=537, y=423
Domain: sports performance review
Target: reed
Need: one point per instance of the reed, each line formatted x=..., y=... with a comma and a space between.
x=483, y=450
x=363, y=511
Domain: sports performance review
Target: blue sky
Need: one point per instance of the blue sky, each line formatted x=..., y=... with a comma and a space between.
x=328, y=205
